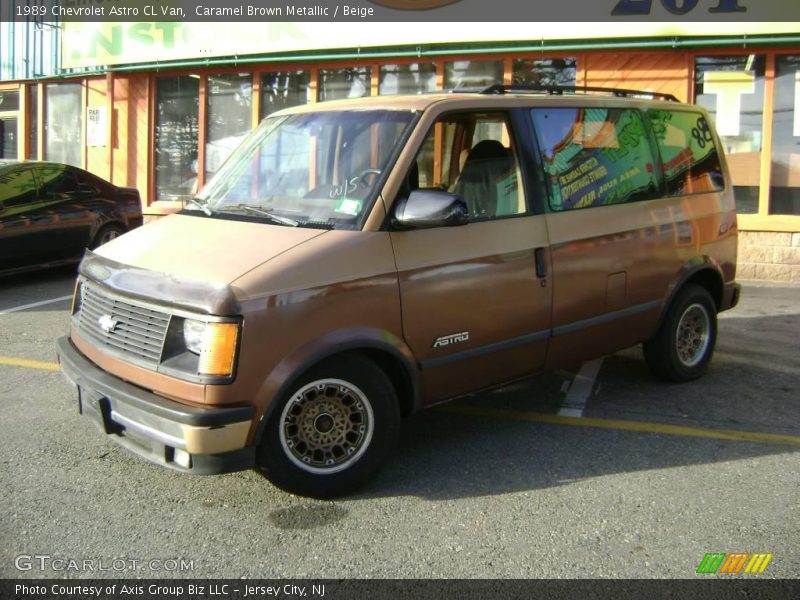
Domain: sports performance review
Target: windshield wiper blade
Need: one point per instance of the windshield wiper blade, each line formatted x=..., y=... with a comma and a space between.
x=269, y=215
x=202, y=207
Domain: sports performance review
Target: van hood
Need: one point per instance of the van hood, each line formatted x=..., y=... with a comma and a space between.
x=204, y=249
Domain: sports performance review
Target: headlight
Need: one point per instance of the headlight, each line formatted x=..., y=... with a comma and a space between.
x=193, y=332
x=215, y=343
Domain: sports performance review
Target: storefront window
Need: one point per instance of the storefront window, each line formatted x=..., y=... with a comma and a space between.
x=410, y=78
x=732, y=89
x=545, y=72
x=8, y=137
x=33, y=115
x=472, y=73
x=283, y=89
x=785, y=184
x=64, y=117
x=177, y=115
x=229, y=117
x=351, y=82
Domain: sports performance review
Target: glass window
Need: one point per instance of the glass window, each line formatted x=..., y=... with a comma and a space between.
x=689, y=157
x=64, y=118
x=476, y=160
x=17, y=190
x=33, y=115
x=8, y=137
x=351, y=82
x=732, y=89
x=318, y=169
x=545, y=72
x=472, y=73
x=595, y=156
x=57, y=181
x=410, y=78
x=283, y=89
x=9, y=100
x=177, y=115
x=229, y=116
x=785, y=178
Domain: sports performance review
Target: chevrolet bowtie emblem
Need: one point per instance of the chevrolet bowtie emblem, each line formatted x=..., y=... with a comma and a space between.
x=107, y=323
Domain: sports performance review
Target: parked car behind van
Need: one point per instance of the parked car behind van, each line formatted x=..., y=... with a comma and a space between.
x=356, y=261
x=51, y=212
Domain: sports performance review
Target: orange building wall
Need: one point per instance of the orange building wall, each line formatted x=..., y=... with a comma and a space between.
x=667, y=73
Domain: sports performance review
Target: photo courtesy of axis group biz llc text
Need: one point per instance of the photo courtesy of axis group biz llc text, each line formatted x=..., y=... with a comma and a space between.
x=424, y=299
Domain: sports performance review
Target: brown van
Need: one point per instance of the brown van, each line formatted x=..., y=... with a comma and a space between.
x=355, y=261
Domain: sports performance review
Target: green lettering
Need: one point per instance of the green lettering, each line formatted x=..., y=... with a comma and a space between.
x=111, y=46
x=140, y=32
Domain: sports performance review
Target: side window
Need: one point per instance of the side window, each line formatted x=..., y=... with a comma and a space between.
x=17, y=191
x=690, y=159
x=57, y=182
x=472, y=155
x=595, y=156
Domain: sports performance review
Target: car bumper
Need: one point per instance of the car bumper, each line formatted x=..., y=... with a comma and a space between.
x=196, y=439
x=730, y=296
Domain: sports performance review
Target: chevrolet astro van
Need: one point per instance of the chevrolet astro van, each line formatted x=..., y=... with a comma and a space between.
x=355, y=261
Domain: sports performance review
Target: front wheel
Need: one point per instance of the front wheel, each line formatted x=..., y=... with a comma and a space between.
x=329, y=435
x=683, y=346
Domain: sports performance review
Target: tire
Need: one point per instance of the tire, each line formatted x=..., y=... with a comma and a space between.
x=106, y=234
x=683, y=346
x=330, y=434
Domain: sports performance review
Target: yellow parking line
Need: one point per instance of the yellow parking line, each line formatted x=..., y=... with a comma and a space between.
x=639, y=426
x=534, y=417
x=30, y=364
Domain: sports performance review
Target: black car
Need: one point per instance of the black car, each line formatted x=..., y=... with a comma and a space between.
x=51, y=212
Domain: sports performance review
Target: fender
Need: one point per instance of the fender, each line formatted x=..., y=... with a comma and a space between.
x=292, y=367
x=698, y=264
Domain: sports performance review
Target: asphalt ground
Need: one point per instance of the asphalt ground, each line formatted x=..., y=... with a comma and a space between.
x=601, y=472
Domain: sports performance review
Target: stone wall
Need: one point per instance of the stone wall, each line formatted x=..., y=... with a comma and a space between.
x=769, y=256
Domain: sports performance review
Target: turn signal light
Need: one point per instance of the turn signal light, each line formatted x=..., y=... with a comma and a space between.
x=219, y=349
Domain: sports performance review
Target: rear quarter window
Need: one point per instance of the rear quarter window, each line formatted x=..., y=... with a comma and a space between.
x=595, y=156
x=688, y=153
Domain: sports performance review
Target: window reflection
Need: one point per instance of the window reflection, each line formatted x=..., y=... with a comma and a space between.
x=732, y=89
x=785, y=184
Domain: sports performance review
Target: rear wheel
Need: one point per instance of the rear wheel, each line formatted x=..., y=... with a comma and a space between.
x=683, y=346
x=330, y=434
x=106, y=234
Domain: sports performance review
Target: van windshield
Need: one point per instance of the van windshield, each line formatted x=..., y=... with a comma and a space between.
x=319, y=169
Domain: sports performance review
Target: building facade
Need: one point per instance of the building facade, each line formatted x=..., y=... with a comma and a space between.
x=159, y=106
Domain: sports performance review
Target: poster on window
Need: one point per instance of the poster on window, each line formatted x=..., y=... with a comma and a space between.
x=96, y=119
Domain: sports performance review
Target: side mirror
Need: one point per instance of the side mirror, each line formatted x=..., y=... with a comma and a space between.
x=424, y=209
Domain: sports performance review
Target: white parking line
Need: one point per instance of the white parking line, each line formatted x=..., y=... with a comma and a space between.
x=581, y=389
x=34, y=304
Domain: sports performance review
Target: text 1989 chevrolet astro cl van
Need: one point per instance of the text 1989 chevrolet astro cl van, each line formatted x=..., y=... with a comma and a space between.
x=355, y=261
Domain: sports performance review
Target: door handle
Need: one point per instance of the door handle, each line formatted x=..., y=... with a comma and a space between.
x=541, y=263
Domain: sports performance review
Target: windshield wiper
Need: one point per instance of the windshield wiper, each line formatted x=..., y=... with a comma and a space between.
x=203, y=207
x=269, y=215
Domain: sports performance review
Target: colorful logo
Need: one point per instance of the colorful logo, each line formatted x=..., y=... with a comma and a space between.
x=734, y=563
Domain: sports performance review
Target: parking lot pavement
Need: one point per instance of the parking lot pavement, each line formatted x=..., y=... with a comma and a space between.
x=641, y=481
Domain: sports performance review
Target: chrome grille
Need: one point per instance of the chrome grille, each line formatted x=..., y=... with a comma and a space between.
x=138, y=331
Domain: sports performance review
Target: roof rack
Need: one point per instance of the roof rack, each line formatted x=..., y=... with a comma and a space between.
x=559, y=90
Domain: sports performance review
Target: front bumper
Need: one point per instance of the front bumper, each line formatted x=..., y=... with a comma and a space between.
x=155, y=427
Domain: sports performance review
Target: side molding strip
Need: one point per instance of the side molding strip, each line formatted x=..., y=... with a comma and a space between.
x=528, y=338
x=539, y=336
x=611, y=316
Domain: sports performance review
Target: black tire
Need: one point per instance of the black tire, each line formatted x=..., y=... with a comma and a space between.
x=106, y=234
x=683, y=346
x=332, y=431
